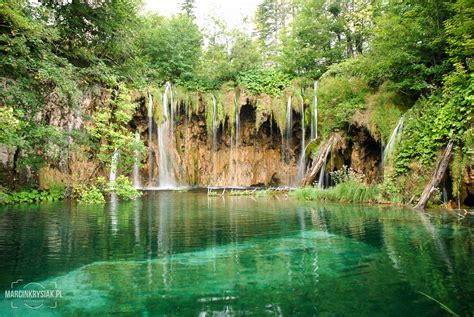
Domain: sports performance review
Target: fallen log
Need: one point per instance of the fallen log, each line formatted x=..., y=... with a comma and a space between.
x=438, y=175
x=319, y=161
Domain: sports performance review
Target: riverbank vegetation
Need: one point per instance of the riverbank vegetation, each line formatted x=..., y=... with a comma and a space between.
x=72, y=75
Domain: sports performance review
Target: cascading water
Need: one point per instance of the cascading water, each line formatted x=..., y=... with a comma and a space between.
x=136, y=167
x=321, y=176
x=393, y=139
x=444, y=192
x=214, y=135
x=322, y=182
x=236, y=142
x=301, y=162
x=314, y=115
x=171, y=119
x=288, y=128
x=214, y=124
x=150, y=137
x=237, y=122
x=166, y=178
x=113, y=166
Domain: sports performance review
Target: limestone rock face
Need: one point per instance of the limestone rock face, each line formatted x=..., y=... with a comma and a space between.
x=467, y=186
x=253, y=157
x=56, y=112
x=365, y=155
x=354, y=148
x=255, y=160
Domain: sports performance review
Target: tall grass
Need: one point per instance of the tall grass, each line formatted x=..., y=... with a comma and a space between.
x=350, y=191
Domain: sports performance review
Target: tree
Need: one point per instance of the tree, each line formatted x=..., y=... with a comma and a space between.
x=91, y=30
x=271, y=17
x=459, y=30
x=315, y=40
x=244, y=54
x=227, y=54
x=408, y=47
x=172, y=47
x=187, y=7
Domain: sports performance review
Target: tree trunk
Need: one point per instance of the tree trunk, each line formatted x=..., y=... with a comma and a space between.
x=320, y=160
x=437, y=176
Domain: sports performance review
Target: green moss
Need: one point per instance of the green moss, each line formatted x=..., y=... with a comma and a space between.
x=339, y=98
x=263, y=110
x=383, y=112
x=279, y=105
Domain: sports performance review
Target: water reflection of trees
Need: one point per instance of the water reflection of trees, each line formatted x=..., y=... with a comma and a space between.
x=432, y=254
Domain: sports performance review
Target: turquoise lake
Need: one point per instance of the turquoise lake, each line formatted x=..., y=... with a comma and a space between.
x=185, y=254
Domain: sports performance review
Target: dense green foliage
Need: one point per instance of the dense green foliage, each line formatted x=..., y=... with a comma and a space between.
x=433, y=121
x=90, y=196
x=171, y=47
x=268, y=81
x=96, y=193
x=124, y=189
x=54, y=193
x=109, y=133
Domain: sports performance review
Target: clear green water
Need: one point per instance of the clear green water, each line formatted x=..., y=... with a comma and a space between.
x=185, y=254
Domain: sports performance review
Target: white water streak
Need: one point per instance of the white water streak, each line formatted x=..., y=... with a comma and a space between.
x=136, y=166
x=166, y=177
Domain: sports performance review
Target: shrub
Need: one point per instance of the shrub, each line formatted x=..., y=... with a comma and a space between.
x=4, y=198
x=124, y=189
x=259, y=81
x=346, y=174
x=90, y=195
x=56, y=192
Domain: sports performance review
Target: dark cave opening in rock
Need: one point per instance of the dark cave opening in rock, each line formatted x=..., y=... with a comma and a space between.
x=357, y=150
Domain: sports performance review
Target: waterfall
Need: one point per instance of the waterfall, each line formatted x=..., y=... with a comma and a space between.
x=289, y=122
x=444, y=192
x=231, y=158
x=314, y=115
x=237, y=138
x=301, y=163
x=393, y=139
x=214, y=138
x=150, y=136
x=166, y=177
x=237, y=122
x=214, y=125
x=321, y=176
x=288, y=127
x=113, y=166
x=171, y=109
x=322, y=172
x=136, y=167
